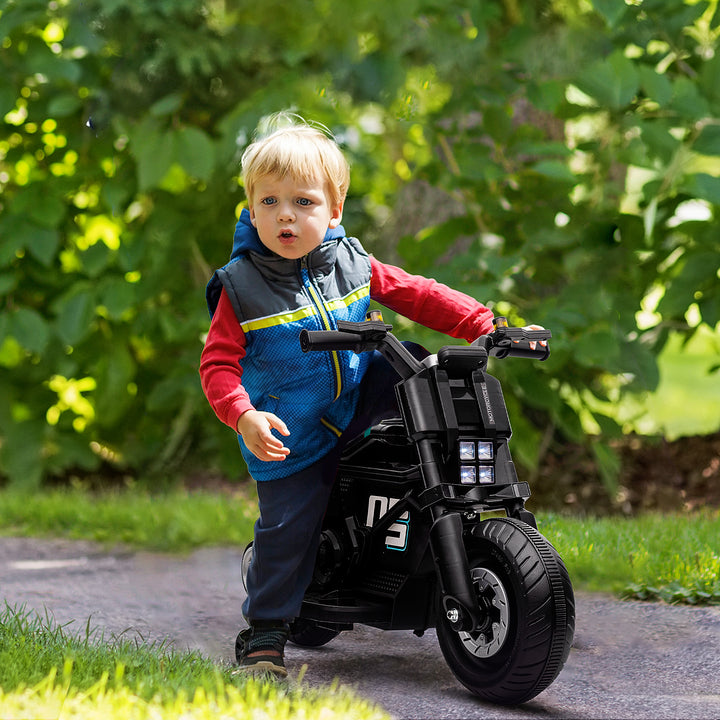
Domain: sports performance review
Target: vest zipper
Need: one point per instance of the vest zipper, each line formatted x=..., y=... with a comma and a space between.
x=317, y=300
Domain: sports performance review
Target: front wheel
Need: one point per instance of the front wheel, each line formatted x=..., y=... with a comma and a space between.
x=524, y=587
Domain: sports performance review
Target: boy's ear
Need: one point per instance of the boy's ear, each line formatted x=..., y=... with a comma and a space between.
x=336, y=216
x=252, y=215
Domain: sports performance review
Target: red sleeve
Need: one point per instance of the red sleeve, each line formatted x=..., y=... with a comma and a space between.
x=428, y=302
x=220, y=369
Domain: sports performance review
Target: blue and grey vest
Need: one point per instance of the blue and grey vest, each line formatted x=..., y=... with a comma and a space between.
x=314, y=393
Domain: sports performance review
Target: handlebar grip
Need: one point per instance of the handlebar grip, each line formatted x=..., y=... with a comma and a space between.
x=522, y=349
x=316, y=340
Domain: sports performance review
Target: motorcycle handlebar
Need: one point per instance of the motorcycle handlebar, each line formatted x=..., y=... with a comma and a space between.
x=329, y=340
x=503, y=342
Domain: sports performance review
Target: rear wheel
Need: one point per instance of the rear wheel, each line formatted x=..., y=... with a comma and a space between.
x=245, y=563
x=524, y=587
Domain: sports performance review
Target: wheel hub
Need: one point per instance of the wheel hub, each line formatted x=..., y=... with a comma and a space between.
x=493, y=598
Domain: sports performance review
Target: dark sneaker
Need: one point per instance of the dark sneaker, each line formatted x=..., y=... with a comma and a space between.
x=259, y=650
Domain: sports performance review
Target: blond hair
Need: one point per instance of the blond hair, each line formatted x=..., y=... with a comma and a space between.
x=304, y=151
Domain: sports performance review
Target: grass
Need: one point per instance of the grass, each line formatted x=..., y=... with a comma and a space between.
x=671, y=557
x=45, y=672
x=174, y=521
x=675, y=558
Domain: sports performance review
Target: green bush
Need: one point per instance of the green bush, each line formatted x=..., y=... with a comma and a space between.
x=559, y=160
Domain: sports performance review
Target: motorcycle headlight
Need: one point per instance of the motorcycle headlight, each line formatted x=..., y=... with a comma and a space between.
x=475, y=462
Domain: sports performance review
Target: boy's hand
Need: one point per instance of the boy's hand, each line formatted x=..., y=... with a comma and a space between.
x=255, y=427
x=533, y=343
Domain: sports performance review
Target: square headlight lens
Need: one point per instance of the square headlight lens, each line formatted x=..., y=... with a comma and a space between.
x=468, y=474
x=485, y=451
x=467, y=450
x=486, y=475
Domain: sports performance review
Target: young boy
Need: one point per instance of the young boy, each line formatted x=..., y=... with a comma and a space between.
x=293, y=267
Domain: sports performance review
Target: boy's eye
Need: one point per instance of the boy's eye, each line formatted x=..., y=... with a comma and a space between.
x=304, y=202
x=268, y=201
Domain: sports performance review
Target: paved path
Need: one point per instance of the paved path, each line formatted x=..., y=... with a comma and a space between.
x=630, y=659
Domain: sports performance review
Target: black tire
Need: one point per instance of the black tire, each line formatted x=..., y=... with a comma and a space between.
x=306, y=633
x=524, y=583
x=245, y=563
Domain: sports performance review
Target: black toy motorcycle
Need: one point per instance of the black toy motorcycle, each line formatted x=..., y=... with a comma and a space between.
x=405, y=545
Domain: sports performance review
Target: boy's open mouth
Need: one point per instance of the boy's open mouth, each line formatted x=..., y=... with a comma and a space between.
x=286, y=235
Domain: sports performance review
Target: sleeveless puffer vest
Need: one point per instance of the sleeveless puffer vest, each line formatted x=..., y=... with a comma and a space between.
x=314, y=393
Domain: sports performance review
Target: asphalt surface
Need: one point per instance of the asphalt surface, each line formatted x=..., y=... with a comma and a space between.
x=630, y=659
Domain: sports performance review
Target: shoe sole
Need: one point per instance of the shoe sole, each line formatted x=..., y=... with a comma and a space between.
x=263, y=667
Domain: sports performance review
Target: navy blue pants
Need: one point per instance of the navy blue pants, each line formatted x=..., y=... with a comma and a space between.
x=287, y=533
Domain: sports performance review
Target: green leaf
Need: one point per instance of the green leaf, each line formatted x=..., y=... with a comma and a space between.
x=70, y=450
x=114, y=373
x=657, y=86
x=95, y=258
x=13, y=238
x=708, y=141
x=14, y=15
x=611, y=11
x=21, y=453
x=548, y=95
x=8, y=98
x=75, y=312
x=166, y=105
x=658, y=141
x=422, y=250
x=709, y=81
x=168, y=393
x=8, y=282
x=710, y=310
x=153, y=149
x=706, y=187
x=117, y=296
x=115, y=194
x=43, y=245
x=40, y=60
x=30, y=329
x=687, y=100
x=555, y=170
x=195, y=152
x=613, y=82
x=597, y=348
x=63, y=105
x=641, y=363
x=609, y=427
x=40, y=205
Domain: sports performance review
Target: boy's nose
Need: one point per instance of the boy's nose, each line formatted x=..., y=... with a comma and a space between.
x=285, y=212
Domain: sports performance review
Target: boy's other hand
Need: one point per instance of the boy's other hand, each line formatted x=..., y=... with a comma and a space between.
x=255, y=427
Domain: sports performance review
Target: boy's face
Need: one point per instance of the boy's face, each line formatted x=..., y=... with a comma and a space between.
x=292, y=216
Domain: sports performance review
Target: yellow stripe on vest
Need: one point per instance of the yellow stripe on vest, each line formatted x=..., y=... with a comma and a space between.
x=279, y=319
x=304, y=312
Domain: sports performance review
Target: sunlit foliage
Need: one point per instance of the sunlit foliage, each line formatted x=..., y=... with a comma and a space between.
x=557, y=159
